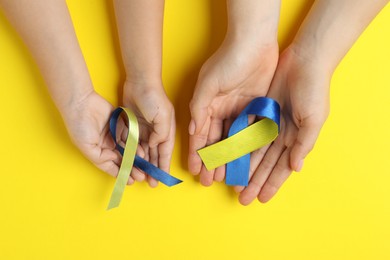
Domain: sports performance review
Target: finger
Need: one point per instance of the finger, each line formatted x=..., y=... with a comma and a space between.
x=197, y=141
x=153, y=183
x=206, y=177
x=306, y=139
x=226, y=126
x=161, y=126
x=108, y=142
x=153, y=154
x=262, y=172
x=219, y=174
x=165, y=149
x=279, y=175
x=122, y=131
x=130, y=181
x=136, y=173
x=109, y=165
x=199, y=106
x=215, y=134
x=145, y=147
x=256, y=157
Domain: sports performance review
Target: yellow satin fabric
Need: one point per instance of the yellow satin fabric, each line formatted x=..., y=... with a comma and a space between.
x=246, y=141
x=127, y=160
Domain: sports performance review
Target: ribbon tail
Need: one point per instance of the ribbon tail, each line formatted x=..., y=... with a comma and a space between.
x=155, y=172
x=237, y=171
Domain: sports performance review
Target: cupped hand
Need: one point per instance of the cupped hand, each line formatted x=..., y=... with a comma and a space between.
x=156, y=119
x=87, y=123
x=301, y=86
x=228, y=81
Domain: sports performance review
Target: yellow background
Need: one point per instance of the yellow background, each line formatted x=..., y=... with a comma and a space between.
x=52, y=200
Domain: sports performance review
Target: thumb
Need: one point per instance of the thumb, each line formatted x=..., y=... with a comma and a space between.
x=161, y=126
x=306, y=139
x=199, y=106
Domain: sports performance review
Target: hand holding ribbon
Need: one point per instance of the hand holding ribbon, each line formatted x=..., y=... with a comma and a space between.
x=243, y=139
x=130, y=158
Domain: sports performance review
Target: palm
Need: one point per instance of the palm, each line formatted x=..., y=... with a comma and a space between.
x=302, y=91
x=156, y=120
x=88, y=128
x=228, y=81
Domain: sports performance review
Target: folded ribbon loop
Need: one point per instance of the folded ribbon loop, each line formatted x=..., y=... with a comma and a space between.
x=129, y=158
x=243, y=139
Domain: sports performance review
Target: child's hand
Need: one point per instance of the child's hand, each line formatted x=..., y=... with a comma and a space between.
x=87, y=124
x=156, y=118
x=237, y=73
x=301, y=86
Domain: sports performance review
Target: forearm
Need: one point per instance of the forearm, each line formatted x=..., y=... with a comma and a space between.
x=140, y=32
x=331, y=28
x=46, y=28
x=255, y=21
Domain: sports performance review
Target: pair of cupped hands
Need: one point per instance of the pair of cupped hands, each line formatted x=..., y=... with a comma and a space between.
x=234, y=75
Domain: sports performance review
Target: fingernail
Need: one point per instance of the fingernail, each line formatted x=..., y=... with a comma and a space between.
x=191, y=127
x=299, y=167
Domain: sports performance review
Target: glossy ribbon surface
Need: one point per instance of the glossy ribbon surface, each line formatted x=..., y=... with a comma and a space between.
x=243, y=139
x=130, y=158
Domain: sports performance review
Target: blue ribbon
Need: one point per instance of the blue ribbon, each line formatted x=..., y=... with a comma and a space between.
x=237, y=171
x=140, y=163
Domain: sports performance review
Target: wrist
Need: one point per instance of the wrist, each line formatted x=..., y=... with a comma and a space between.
x=313, y=54
x=253, y=21
x=143, y=69
x=69, y=95
x=142, y=85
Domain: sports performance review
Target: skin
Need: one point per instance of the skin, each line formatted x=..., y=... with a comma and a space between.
x=143, y=90
x=301, y=86
x=240, y=70
x=47, y=30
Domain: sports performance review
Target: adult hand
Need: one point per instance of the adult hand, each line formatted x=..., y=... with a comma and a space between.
x=301, y=86
x=238, y=72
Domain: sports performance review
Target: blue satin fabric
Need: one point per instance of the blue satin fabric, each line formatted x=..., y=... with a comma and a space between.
x=237, y=171
x=140, y=163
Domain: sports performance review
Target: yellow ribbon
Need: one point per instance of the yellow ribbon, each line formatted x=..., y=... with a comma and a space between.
x=127, y=160
x=244, y=142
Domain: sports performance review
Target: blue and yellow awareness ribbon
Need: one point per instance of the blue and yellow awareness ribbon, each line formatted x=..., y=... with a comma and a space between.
x=130, y=158
x=235, y=150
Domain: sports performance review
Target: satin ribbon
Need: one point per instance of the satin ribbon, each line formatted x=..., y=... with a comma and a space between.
x=129, y=158
x=243, y=139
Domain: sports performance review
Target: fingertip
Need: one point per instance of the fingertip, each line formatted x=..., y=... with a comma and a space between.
x=137, y=175
x=267, y=192
x=244, y=201
x=219, y=174
x=296, y=159
x=206, y=177
x=130, y=181
x=299, y=166
x=207, y=183
x=263, y=197
x=194, y=164
x=248, y=194
x=153, y=183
